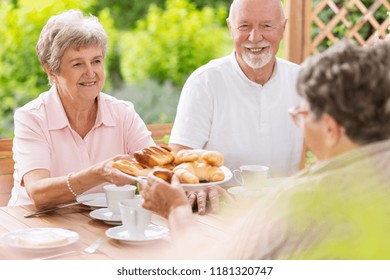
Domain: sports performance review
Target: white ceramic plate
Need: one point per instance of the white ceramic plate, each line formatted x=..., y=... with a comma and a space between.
x=152, y=233
x=105, y=215
x=14, y=239
x=93, y=199
x=226, y=171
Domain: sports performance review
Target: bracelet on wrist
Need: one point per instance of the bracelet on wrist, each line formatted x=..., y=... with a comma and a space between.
x=69, y=186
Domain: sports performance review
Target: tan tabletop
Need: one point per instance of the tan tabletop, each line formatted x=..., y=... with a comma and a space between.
x=77, y=219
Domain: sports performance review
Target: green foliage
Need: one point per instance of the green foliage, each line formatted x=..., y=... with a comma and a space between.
x=354, y=16
x=126, y=13
x=112, y=56
x=169, y=44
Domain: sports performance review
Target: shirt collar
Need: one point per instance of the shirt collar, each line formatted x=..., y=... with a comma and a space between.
x=56, y=116
x=234, y=61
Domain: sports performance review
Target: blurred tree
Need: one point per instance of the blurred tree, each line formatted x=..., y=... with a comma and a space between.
x=169, y=44
x=126, y=13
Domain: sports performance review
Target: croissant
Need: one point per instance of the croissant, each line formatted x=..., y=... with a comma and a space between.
x=210, y=157
x=195, y=172
x=131, y=167
x=154, y=156
x=186, y=173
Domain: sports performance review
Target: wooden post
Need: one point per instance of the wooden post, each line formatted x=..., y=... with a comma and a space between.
x=297, y=34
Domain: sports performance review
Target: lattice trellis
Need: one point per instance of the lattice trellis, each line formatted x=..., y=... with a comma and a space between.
x=331, y=18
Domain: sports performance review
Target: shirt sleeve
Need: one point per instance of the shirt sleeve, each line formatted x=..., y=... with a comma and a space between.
x=138, y=136
x=30, y=148
x=194, y=115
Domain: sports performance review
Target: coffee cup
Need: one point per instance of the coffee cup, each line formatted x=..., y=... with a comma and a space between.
x=135, y=218
x=251, y=176
x=114, y=194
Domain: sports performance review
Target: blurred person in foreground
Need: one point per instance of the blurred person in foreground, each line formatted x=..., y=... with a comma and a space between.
x=238, y=104
x=335, y=209
x=67, y=139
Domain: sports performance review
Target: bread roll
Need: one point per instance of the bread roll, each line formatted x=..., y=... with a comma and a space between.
x=186, y=173
x=213, y=158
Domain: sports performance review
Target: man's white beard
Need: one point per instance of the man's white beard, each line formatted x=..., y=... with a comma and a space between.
x=256, y=61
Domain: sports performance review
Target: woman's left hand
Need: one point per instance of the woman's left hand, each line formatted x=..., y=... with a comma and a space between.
x=162, y=197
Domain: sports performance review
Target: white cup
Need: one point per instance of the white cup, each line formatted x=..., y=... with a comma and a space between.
x=135, y=218
x=251, y=176
x=114, y=194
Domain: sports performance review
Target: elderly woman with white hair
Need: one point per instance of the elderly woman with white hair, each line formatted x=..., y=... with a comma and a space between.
x=67, y=138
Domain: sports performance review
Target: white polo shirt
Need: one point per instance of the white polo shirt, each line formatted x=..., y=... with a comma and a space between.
x=221, y=109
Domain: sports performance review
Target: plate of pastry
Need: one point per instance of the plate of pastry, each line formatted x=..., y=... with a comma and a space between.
x=40, y=239
x=194, y=168
x=226, y=171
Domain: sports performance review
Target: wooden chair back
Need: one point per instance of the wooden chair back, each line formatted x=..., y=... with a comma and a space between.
x=6, y=171
x=160, y=133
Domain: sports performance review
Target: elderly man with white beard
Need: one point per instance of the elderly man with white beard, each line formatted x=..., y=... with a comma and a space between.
x=237, y=104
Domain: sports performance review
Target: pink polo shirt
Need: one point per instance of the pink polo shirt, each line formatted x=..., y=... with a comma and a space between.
x=44, y=139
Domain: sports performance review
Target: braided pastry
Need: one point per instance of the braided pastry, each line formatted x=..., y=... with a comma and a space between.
x=131, y=167
x=154, y=156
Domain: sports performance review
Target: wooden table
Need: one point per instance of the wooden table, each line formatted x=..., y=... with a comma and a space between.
x=77, y=219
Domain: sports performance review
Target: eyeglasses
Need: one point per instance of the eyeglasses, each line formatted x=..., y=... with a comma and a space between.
x=298, y=115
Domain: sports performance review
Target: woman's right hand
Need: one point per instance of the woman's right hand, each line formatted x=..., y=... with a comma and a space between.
x=111, y=174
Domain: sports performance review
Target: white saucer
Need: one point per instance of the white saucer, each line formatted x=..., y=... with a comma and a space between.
x=93, y=199
x=12, y=239
x=152, y=233
x=105, y=215
x=237, y=190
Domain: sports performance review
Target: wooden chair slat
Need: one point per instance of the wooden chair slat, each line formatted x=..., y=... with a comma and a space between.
x=6, y=166
x=6, y=147
x=6, y=170
x=159, y=131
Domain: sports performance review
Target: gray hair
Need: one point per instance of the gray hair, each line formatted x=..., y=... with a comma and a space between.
x=70, y=29
x=352, y=84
